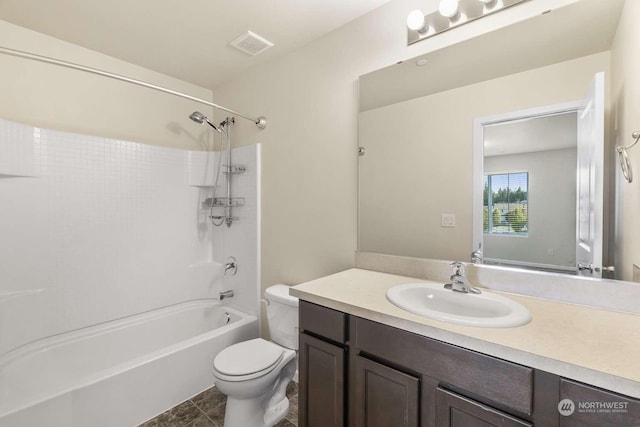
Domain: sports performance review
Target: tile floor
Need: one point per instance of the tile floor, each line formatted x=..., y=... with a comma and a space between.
x=207, y=410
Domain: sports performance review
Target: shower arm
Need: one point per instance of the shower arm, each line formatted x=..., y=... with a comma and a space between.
x=260, y=122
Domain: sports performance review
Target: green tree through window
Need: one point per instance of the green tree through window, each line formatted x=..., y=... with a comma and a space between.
x=506, y=196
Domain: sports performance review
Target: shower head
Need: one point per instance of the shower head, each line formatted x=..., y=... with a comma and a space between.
x=198, y=117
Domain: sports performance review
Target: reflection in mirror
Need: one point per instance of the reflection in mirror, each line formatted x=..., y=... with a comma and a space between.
x=556, y=153
x=529, y=192
x=416, y=124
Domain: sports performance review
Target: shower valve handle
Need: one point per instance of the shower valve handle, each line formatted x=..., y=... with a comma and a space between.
x=231, y=266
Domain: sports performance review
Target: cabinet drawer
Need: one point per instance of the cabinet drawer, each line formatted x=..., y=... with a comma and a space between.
x=591, y=406
x=453, y=410
x=508, y=384
x=322, y=321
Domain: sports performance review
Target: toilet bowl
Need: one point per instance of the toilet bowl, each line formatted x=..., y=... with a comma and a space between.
x=254, y=374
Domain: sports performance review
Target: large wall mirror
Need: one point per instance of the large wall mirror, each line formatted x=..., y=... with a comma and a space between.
x=417, y=177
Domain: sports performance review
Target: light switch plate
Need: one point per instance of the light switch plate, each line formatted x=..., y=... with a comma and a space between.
x=448, y=220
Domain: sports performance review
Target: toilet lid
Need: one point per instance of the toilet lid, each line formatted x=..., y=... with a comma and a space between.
x=247, y=357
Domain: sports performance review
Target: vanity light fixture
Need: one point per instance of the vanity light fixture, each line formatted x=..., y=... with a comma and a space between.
x=449, y=8
x=451, y=14
x=416, y=21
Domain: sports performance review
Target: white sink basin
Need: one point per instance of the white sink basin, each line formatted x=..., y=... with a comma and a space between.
x=432, y=300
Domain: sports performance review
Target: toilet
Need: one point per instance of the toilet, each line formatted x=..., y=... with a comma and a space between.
x=254, y=374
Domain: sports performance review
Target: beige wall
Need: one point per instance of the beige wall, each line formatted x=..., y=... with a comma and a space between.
x=626, y=119
x=551, y=238
x=419, y=157
x=59, y=98
x=309, y=173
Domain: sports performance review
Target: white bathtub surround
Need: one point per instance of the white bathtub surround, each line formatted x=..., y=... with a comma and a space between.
x=608, y=294
x=96, y=230
x=18, y=147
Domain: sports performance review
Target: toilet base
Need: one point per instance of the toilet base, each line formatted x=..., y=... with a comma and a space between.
x=250, y=412
x=259, y=408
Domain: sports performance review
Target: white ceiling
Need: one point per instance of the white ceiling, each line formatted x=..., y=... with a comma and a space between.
x=555, y=132
x=185, y=39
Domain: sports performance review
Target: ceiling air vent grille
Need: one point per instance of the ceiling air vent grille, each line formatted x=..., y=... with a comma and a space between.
x=251, y=43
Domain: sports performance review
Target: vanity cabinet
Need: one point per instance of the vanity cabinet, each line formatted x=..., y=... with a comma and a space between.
x=384, y=396
x=321, y=382
x=454, y=410
x=322, y=366
x=458, y=387
x=356, y=372
x=493, y=380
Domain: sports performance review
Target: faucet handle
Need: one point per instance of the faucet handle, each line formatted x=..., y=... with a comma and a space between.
x=458, y=268
x=231, y=265
x=476, y=256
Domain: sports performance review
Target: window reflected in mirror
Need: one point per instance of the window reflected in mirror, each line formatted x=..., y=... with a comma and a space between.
x=529, y=197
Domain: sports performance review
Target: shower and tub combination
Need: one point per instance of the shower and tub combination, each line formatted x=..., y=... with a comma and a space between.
x=114, y=300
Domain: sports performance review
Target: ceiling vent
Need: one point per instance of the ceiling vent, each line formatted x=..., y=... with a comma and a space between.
x=251, y=43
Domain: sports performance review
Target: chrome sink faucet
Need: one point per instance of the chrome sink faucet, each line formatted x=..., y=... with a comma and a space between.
x=459, y=282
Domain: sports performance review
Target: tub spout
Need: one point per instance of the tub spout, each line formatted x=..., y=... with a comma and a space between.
x=225, y=294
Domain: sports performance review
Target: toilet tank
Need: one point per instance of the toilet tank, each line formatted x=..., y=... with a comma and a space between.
x=282, y=315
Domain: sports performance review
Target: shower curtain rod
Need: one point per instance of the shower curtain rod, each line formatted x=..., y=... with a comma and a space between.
x=260, y=122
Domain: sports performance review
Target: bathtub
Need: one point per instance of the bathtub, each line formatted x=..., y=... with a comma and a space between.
x=119, y=373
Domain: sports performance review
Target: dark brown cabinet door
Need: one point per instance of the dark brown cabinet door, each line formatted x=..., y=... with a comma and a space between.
x=321, y=368
x=453, y=410
x=384, y=397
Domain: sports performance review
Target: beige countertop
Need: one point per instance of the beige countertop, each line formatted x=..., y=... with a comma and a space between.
x=590, y=345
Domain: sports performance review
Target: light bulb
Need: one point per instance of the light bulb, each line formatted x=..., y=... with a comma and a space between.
x=489, y=4
x=416, y=21
x=448, y=8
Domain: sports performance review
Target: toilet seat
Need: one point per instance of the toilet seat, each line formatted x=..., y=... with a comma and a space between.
x=247, y=360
